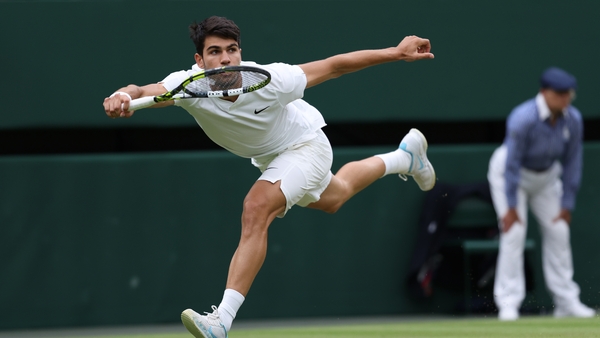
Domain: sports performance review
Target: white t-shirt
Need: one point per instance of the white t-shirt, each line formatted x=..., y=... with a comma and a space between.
x=260, y=123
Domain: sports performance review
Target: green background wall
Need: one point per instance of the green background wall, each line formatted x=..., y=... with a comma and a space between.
x=61, y=58
x=129, y=239
x=122, y=239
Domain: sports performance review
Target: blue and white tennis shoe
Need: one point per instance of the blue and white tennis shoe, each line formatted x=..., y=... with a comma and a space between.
x=415, y=144
x=204, y=326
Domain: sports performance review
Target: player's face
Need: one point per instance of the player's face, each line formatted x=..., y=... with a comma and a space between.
x=219, y=52
x=557, y=101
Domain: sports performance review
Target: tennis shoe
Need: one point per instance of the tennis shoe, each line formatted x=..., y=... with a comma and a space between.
x=577, y=310
x=415, y=144
x=204, y=326
x=508, y=314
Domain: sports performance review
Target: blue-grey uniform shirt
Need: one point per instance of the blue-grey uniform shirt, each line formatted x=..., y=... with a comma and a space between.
x=534, y=144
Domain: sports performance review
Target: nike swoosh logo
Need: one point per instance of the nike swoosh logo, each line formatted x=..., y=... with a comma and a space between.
x=258, y=111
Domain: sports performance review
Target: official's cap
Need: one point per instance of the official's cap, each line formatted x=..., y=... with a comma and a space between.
x=558, y=80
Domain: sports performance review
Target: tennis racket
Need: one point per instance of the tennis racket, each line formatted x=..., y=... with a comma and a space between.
x=217, y=82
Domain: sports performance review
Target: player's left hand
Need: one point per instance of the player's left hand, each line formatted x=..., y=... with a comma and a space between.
x=565, y=215
x=413, y=48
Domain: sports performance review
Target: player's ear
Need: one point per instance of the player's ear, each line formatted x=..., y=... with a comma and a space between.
x=199, y=60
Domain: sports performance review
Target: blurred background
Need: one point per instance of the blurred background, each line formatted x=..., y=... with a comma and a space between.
x=121, y=222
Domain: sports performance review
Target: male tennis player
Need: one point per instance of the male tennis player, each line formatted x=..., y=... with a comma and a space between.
x=282, y=135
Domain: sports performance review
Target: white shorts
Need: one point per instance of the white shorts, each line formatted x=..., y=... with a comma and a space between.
x=304, y=170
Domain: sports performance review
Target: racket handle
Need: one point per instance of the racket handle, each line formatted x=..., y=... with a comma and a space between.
x=141, y=103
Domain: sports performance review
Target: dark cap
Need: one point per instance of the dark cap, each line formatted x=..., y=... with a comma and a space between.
x=558, y=80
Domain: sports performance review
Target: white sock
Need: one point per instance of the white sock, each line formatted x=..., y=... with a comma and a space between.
x=396, y=162
x=232, y=300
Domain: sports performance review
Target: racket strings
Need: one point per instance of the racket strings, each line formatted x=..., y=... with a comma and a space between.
x=223, y=82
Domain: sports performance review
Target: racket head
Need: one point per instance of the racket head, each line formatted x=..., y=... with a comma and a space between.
x=220, y=82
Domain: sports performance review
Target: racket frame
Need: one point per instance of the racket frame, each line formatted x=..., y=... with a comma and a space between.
x=176, y=93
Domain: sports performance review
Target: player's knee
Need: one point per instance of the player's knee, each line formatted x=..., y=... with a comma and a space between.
x=254, y=217
x=252, y=211
x=334, y=197
x=332, y=208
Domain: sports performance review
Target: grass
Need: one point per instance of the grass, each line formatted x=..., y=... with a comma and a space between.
x=546, y=327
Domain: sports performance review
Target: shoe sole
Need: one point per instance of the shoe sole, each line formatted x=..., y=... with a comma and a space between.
x=425, y=157
x=187, y=318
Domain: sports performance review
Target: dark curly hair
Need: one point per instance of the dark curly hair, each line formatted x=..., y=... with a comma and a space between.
x=214, y=25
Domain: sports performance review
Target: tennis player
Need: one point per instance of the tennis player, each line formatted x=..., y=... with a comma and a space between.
x=281, y=134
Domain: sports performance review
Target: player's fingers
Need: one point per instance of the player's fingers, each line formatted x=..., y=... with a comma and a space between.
x=426, y=56
x=424, y=49
x=109, y=107
x=114, y=106
x=119, y=106
x=125, y=110
x=124, y=106
x=425, y=43
x=105, y=104
x=422, y=56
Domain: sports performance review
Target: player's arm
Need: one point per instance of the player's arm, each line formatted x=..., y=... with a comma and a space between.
x=117, y=105
x=411, y=48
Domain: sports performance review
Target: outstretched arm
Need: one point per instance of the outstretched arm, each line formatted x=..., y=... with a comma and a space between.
x=112, y=105
x=411, y=48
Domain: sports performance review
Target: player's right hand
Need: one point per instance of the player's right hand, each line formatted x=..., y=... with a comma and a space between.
x=117, y=106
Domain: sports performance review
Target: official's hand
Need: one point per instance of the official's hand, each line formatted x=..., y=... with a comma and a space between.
x=510, y=218
x=413, y=48
x=117, y=106
x=565, y=215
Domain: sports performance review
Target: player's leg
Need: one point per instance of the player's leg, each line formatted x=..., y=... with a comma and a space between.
x=509, y=283
x=409, y=159
x=556, y=248
x=296, y=176
x=262, y=204
x=348, y=181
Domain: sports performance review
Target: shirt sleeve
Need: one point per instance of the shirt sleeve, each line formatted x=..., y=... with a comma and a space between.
x=516, y=142
x=174, y=79
x=287, y=81
x=572, y=160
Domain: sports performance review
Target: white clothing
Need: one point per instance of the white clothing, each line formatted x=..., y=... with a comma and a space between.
x=542, y=191
x=274, y=127
x=303, y=169
x=285, y=121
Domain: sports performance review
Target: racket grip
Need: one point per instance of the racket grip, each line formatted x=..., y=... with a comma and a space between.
x=141, y=103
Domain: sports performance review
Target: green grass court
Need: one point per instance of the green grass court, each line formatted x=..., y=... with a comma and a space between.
x=488, y=328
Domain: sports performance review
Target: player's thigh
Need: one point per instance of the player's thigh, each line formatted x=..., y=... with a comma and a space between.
x=265, y=200
x=330, y=198
x=303, y=171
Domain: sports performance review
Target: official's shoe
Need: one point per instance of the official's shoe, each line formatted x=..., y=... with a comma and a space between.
x=508, y=314
x=577, y=310
x=204, y=326
x=415, y=144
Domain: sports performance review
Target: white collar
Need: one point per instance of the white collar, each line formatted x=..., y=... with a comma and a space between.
x=543, y=110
